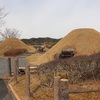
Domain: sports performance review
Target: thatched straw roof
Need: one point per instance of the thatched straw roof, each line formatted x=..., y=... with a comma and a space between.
x=33, y=57
x=83, y=41
x=13, y=43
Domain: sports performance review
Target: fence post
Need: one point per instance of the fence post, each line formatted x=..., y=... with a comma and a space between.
x=27, y=72
x=15, y=71
x=64, y=93
x=17, y=63
x=9, y=66
x=57, y=87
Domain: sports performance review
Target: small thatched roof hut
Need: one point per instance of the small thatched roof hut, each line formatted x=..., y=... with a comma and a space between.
x=13, y=44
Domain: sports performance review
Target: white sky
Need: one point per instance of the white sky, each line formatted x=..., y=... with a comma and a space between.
x=51, y=18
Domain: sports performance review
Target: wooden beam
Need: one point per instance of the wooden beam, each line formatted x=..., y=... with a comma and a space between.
x=9, y=66
x=57, y=87
x=27, y=72
x=64, y=93
x=15, y=71
x=17, y=63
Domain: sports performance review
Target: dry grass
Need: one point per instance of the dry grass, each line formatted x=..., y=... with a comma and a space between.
x=15, y=52
x=84, y=41
x=32, y=48
x=33, y=57
x=84, y=86
x=37, y=92
x=85, y=96
x=46, y=93
x=13, y=43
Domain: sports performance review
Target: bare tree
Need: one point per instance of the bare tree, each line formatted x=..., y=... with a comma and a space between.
x=2, y=15
x=10, y=33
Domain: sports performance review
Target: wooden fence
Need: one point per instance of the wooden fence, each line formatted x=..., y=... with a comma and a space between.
x=61, y=89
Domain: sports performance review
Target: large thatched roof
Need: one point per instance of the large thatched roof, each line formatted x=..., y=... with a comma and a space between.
x=13, y=43
x=84, y=41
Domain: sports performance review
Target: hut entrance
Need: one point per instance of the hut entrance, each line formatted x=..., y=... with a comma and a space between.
x=67, y=53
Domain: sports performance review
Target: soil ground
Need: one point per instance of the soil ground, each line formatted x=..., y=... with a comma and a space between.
x=4, y=92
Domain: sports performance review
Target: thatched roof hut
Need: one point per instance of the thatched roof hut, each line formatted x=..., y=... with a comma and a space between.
x=13, y=44
x=84, y=41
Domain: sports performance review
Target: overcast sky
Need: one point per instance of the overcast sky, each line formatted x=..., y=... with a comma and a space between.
x=51, y=18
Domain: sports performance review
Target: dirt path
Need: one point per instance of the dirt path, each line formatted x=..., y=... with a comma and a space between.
x=4, y=92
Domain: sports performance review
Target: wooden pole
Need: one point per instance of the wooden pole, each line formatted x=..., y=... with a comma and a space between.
x=57, y=87
x=15, y=71
x=64, y=94
x=17, y=63
x=27, y=72
x=9, y=66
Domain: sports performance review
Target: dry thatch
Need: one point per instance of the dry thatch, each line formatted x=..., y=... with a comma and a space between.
x=14, y=52
x=85, y=42
x=33, y=57
x=13, y=43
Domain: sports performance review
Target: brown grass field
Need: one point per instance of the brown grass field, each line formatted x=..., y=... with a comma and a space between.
x=46, y=93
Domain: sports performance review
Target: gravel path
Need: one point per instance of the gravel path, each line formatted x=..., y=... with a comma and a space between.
x=4, y=92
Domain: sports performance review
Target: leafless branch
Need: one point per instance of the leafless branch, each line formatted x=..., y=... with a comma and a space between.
x=10, y=33
x=2, y=15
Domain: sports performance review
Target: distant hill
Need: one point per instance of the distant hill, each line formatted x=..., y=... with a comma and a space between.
x=40, y=40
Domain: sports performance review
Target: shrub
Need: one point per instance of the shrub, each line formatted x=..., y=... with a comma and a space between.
x=78, y=68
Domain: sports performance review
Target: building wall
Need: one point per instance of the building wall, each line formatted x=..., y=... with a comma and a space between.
x=4, y=71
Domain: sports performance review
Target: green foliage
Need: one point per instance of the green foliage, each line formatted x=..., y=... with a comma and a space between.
x=36, y=41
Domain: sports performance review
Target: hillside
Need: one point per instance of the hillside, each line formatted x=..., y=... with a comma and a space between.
x=39, y=40
x=84, y=41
